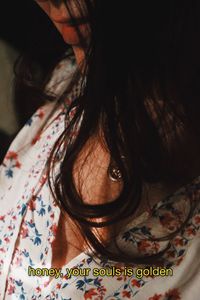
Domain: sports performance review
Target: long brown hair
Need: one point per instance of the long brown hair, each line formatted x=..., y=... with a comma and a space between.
x=142, y=79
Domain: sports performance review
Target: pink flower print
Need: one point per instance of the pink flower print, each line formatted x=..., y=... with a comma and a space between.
x=52, y=216
x=54, y=229
x=101, y=290
x=124, y=278
x=7, y=240
x=58, y=286
x=155, y=297
x=24, y=232
x=135, y=282
x=2, y=250
x=10, y=227
x=90, y=293
x=43, y=179
x=35, y=139
x=32, y=204
x=31, y=223
x=2, y=218
x=12, y=162
x=53, y=295
x=11, y=289
x=143, y=245
x=18, y=261
x=17, y=164
x=126, y=294
x=11, y=155
x=38, y=289
x=40, y=114
x=178, y=241
x=191, y=231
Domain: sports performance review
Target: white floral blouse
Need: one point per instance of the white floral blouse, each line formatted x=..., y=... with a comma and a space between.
x=29, y=218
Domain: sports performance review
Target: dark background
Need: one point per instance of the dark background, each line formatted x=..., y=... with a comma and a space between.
x=25, y=26
x=27, y=29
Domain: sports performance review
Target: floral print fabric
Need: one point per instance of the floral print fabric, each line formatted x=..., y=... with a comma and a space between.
x=29, y=218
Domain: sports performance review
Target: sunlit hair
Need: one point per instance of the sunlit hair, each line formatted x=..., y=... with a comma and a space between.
x=142, y=90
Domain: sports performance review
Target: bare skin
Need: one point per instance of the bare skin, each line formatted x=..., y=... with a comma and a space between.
x=95, y=168
x=86, y=177
x=68, y=242
x=61, y=19
x=94, y=187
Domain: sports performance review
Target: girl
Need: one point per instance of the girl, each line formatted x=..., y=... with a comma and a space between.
x=100, y=189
